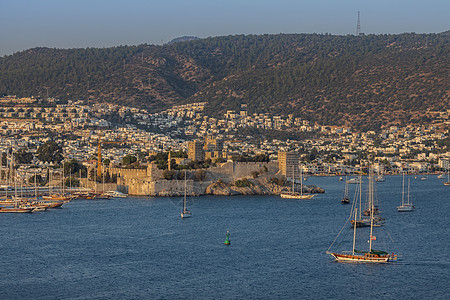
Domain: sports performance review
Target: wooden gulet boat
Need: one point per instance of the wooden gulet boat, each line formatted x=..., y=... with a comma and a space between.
x=293, y=194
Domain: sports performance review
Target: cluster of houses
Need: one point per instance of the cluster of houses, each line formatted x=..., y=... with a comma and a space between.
x=79, y=126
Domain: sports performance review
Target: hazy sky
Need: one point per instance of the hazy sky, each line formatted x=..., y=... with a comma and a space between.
x=26, y=24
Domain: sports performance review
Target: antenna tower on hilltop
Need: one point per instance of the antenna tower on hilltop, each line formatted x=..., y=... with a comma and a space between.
x=358, y=26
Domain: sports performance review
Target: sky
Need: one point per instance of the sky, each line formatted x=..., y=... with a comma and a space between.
x=26, y=24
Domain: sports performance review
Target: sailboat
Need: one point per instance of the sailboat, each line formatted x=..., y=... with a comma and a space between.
x=345, y=199
x=363, y=218
x=17, y=206
x=293, y=194
x=406, y=206
x=185, y=213
x=371, y=255
x=448, y=178
x=56, y=197
x=354, y=180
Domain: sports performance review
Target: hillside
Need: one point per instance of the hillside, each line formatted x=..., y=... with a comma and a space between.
x=373, y=80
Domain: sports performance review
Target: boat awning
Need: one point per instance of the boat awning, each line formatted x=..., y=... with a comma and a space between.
x=358, y=251
x=378, y=252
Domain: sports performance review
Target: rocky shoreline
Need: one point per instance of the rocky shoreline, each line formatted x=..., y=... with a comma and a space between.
x=258, y=187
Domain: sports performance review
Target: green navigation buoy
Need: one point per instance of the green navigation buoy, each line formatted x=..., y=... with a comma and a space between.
x=227, y=241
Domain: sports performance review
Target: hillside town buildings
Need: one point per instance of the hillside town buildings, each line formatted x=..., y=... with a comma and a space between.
x=27, y=123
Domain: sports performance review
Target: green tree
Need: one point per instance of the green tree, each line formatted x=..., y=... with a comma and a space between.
x=73, y=167
x=23, y=157
x=50, y=151
x=128, y=160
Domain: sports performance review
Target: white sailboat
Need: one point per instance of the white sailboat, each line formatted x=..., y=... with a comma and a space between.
x=185, y=213
x=354, y=180
x=370, y=256
x=293, y=194
x=406, y=206
x=448, y=178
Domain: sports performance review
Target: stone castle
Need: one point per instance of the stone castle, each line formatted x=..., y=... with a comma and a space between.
x=151, y=182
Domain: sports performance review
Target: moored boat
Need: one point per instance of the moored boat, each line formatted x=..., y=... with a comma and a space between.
x=406, y=205
x=345, y=199
x=55, y=204
x=447, y=183
x=293, y=194
x=354, y=180
x=296, y=196
x=116, y=194
x=185, y=213
x=57, y=197
x=380, y=178
x=16, y=210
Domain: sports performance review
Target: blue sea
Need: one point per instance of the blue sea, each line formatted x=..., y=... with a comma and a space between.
x=140, y=248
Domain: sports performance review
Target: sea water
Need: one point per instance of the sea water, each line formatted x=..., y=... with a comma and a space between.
x=140, y=248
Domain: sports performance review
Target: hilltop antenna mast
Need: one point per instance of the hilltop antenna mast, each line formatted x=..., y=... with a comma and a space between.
x=358, y=26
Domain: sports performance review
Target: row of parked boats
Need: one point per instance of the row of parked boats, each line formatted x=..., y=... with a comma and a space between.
x=15, y=204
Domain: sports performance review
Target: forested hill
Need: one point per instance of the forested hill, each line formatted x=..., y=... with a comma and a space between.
x=345, y=80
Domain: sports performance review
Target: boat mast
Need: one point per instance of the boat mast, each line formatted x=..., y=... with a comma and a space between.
x=403, y=189
x=49, y=181
x=35, y=185
x=301, y=180
x=360, y=196
x=8, y=174
x=62, y=180
x=408, y=190
x=371, y=208
x=293, y=180
x=354, y=232
x=103, y=178
x=346, y=189
x=184, y=201
x=79, y=183
x=13, y=165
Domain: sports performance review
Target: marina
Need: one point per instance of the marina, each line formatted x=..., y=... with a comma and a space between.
x=138, y=247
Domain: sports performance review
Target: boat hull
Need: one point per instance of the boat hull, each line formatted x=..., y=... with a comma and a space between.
x=56, y=204
x=366, y=258
x=405, y=208
x=116, y=194
x=185, y=214
x=345, y=201
x=296, y=196
x=15, y=210
x=366, y=222
x=56, y=198
x=353, y=181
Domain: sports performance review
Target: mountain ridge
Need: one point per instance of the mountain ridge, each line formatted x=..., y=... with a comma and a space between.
x=369, y=80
